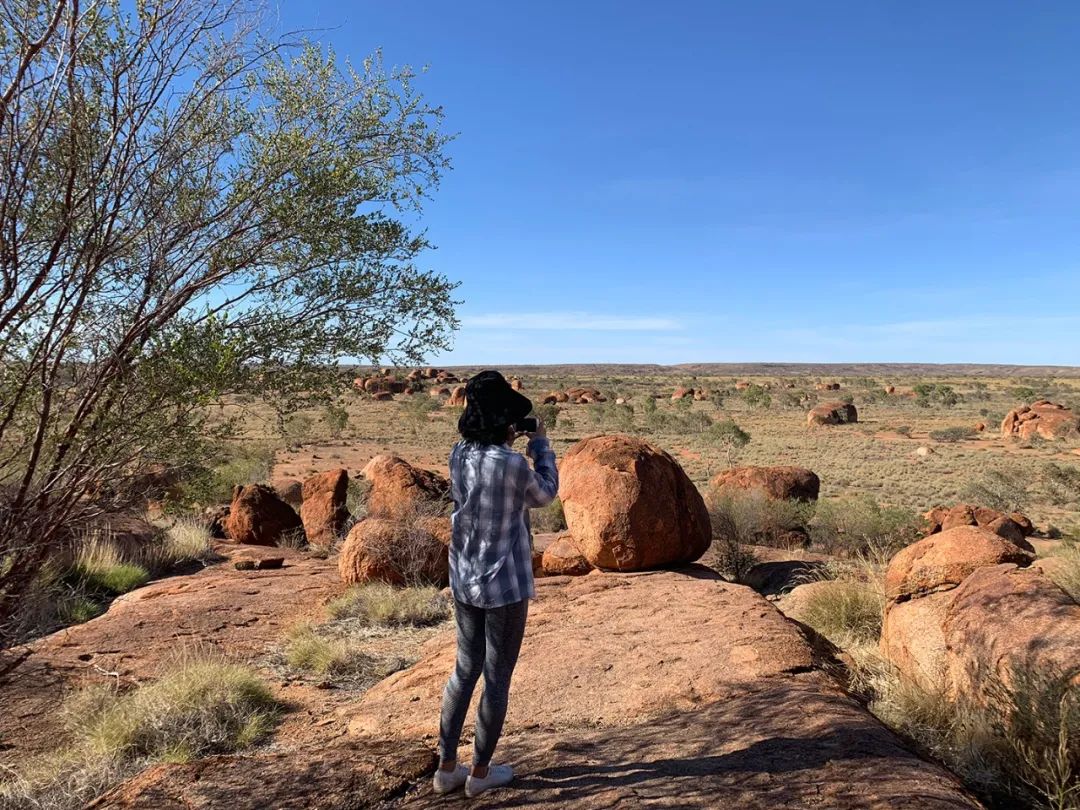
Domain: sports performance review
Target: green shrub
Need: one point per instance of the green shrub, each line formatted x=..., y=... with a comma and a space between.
x=336, y=419
x=1062, y=483
x=100, y=568
x=384, y=605
x=862, y=527
x=1006, y=490
x=756, y=396
x=753, y=518
x=952, y=434
x=548, y=518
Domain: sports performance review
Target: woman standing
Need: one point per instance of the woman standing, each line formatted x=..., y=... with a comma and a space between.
x=493, y=488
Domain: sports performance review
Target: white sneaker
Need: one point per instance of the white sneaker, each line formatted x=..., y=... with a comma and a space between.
x=498, y=775
x=448, y=781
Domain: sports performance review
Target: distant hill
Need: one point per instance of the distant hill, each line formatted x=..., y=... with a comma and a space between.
x=789, y=369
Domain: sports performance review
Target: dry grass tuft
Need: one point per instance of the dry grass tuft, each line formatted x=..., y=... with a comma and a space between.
x=385, y=605
x=201, y=705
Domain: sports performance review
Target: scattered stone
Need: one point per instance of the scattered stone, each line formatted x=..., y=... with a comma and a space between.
x=630, y=506
x=258, y=564
x=924, y=451
x=683, y=393
x=1014, y=525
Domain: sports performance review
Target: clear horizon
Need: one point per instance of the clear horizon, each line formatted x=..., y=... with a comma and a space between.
x=840, y=182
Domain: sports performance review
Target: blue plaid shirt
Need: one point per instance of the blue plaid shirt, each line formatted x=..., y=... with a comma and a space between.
x=493, y=489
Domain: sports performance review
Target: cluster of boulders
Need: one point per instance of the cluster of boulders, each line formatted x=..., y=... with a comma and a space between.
x=1013, y=526
x=574, y=396
x=696, y=394
x=966, y=608
x=832, y=413
x=1048, y=420
x=263, y=515
x=382, y=386
x=829, y=386
x=405, y=536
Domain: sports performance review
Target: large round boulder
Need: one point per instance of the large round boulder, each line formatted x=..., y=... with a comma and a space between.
x=396, y=552
x=257, y=516
x=630, y=506
x=942, y=561
x=832, y=413
x=781, y=483
x=323, y=510
x=401, y=491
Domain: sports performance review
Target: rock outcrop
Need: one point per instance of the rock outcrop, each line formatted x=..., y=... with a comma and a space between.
x=257, y=516
x=832, y=413
x=323, y=510
x=400, y=491
x=670, y=689
x=1013, y=525
x=1046, y=419
x=781, y=483
x=630, y=506
x=965, y=608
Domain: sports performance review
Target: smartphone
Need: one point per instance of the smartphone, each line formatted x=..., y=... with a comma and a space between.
x=530, y=424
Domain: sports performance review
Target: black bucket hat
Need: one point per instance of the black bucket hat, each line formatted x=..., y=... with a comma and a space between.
x=491, y=403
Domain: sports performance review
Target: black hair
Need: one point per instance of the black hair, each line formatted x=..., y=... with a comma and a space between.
x=491, y=407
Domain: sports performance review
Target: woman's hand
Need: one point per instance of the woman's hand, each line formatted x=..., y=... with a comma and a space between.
x=540, y=432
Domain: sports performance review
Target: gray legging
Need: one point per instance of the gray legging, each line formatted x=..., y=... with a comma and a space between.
x=488, y=641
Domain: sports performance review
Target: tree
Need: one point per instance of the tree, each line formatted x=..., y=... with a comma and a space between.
x=730, y=436
x=188, y=211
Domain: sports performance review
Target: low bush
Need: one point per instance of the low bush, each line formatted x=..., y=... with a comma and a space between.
x=860, y=527
x=100, y=568
x=550, y=518
x=1061, y=483
x=753, y=518
x=384, y=605
x=1007, y=490
x=325, y=652
x=952, y=434
x=200, y=705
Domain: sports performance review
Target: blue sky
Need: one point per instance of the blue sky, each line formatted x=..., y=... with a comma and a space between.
x=748, y=181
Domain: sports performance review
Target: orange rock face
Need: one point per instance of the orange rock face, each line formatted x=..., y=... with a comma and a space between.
x=832, y=413
x=257, y=516
x=323, y=511
x=1014, y=526
x=944, y=560
x=782, y=483
x=457, y=397
x=564, y=558
x=378, y=550
x=630, y=506
x=1043, y=418
x=400, y=491
x=683, y=393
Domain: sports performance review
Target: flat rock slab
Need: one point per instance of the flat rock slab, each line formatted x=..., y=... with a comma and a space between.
x=336, y=777
x=668, y=689
x=792, y=744
x=239, y=613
